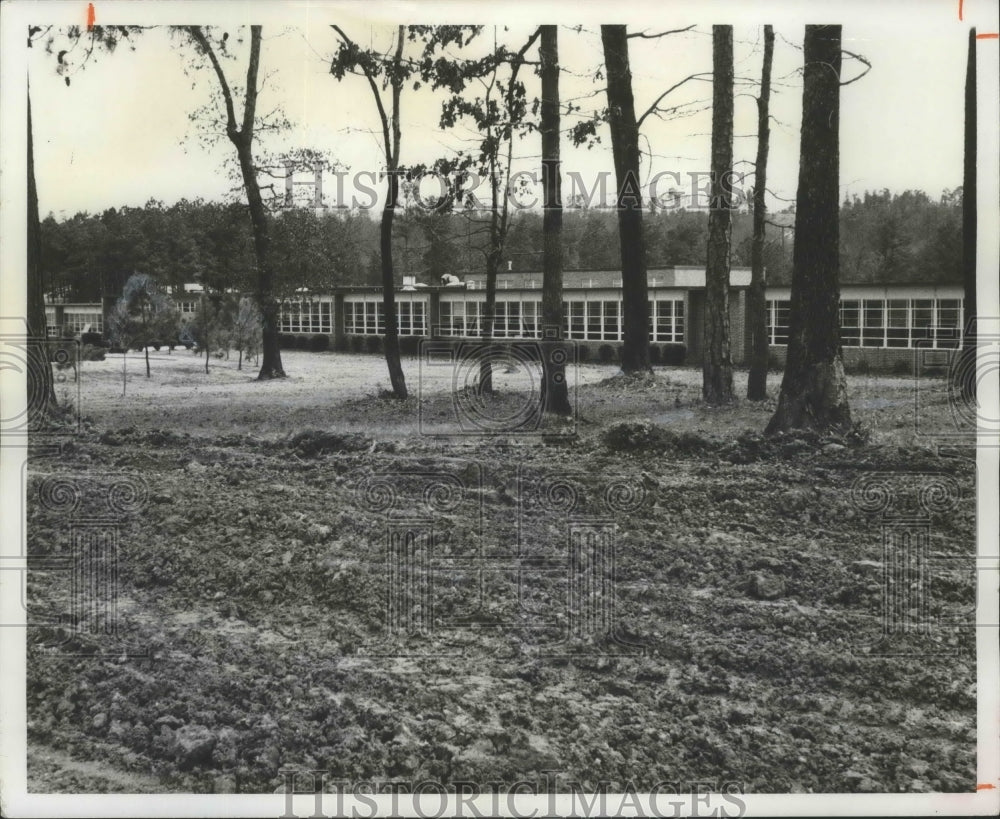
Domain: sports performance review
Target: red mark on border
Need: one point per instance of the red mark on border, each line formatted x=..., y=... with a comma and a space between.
x=960, y=4
x=993, y=35
x=91, y=16
x=986, y=786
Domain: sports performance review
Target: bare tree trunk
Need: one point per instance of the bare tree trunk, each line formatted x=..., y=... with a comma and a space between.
x=239, y=364
x=555, y=392
x=756, y=295
x=241, y=135
x=271, y=366
x=146, y=350
x=489, y=308
x=814, y=387
x=625, y=147
x=964, y=375
x=490, y=305
x=41, y=398
x=396, y=378
x=717, y=364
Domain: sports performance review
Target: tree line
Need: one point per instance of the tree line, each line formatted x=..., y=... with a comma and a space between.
x=885, y=238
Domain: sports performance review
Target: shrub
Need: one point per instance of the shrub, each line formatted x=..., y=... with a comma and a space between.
x=862, y=367
x=606, y=353
x=901, y=368
x=319, y=343
x=673, y=353
x=357, y=344
x=582, y=353
x=342, y=344
x=301, y=342
x=373, y=344
x=90, y=352
x=774, y=364
x=409, y=345
x=654, y=354
x=285, y=341
x=93, y=339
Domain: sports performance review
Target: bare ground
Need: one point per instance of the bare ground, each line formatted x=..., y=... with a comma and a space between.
x=745, y=616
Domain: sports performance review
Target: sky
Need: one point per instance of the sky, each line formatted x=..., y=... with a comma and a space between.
x=127, y=128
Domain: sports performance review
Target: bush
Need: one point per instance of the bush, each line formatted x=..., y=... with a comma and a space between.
x=342, y=344
x=409, y=345
x=285, y=341
x=90, y=352
x=373, y=344
x=606, y=353
x=319, y=343
x=674, y=353
x=774, y=364
x=654, y=354
x=862, y=367
x=301, y=342
x=93, y=339
x=901, y=368
x=357, y=344
x=582, y=353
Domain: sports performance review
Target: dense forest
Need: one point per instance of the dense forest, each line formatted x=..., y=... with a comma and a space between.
x=885, y=238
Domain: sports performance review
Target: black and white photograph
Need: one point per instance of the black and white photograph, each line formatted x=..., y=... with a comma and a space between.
x=512, y=409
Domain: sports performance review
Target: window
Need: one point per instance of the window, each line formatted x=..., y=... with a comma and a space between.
x=532, y=311
x=78, y=322
x=922, y=321
x=575, y=318
x=473, y=318
x=948, y=330
x=778, y=313
x=594, y=323
x=898, y=323
x=873, y=330
x=666, y=320
x=611, y=329
x=850, y=323
x=306, y=317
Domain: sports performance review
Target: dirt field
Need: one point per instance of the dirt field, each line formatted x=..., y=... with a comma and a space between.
x=649, y=592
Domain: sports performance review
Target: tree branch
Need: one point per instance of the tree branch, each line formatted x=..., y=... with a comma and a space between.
x=250, y=102
x=860, y=59
x=203, y=43
x=645, y=36
x=386, y=139
x=673, y=87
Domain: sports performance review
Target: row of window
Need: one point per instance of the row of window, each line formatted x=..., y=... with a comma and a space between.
x=306, y=317
x=585, y=320
x=368, y=318
x=884, y=322
x=74, y=323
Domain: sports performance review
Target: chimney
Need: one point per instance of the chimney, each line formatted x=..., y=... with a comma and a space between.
x=510, y=265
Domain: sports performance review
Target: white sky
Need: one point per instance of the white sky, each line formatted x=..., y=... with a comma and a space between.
x=121, y=133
